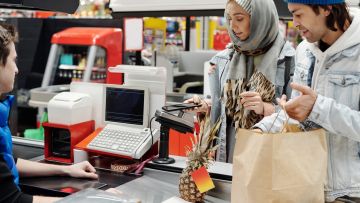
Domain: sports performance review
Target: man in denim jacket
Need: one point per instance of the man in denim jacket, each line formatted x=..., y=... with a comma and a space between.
x=326, y=88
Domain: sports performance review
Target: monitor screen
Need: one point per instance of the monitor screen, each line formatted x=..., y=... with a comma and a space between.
x=124, y=105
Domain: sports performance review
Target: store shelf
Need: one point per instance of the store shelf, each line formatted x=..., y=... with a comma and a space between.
x=74, y=67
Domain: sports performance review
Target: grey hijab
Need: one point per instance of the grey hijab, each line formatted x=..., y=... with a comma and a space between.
x=264, y=32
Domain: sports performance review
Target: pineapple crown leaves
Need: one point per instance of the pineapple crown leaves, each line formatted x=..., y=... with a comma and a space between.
x=208, y=133
x=200, y=153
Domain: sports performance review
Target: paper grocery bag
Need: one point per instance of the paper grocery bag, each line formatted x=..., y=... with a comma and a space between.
x=279, y=168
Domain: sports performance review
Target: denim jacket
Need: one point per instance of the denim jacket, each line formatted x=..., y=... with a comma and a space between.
x=336, y=79
x=217, y=81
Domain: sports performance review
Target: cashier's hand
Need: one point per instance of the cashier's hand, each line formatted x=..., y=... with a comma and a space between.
x=81, y=170
x=300, y=107
x=205, y=104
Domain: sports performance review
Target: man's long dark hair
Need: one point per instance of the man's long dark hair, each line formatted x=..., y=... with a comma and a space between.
x=339, y=15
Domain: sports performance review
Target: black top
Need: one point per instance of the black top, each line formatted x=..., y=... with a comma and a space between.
x=9, y=192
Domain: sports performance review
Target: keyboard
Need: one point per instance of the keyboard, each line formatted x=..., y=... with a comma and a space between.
x=125, y=141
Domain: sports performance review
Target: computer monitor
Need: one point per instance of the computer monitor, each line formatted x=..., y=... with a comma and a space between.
x=126, y=105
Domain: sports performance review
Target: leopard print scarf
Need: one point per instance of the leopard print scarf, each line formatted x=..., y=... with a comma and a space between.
x=242, y=118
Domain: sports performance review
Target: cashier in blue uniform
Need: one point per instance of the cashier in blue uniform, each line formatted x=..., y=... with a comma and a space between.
x=10, y=168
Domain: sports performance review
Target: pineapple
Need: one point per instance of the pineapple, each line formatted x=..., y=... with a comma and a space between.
x=188, y=189
x=199, y=155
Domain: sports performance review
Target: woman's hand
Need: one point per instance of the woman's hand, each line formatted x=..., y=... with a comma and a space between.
x=81, y=170
x=205, y=104
x=253, y=101
x=257, y=130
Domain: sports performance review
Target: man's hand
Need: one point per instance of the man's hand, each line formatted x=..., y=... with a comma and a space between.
x=299, y=108
x=253, y=101
x=81, y=170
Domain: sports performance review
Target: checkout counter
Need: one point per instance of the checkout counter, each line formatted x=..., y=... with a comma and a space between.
x=166, y=179
x=158, y=183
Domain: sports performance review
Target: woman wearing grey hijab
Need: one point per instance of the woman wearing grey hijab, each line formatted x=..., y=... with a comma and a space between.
x=250, y=73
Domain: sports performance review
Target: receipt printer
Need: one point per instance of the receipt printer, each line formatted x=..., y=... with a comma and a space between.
x=68, y=108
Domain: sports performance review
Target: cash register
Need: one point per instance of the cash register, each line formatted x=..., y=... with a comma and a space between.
x=126, y=115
